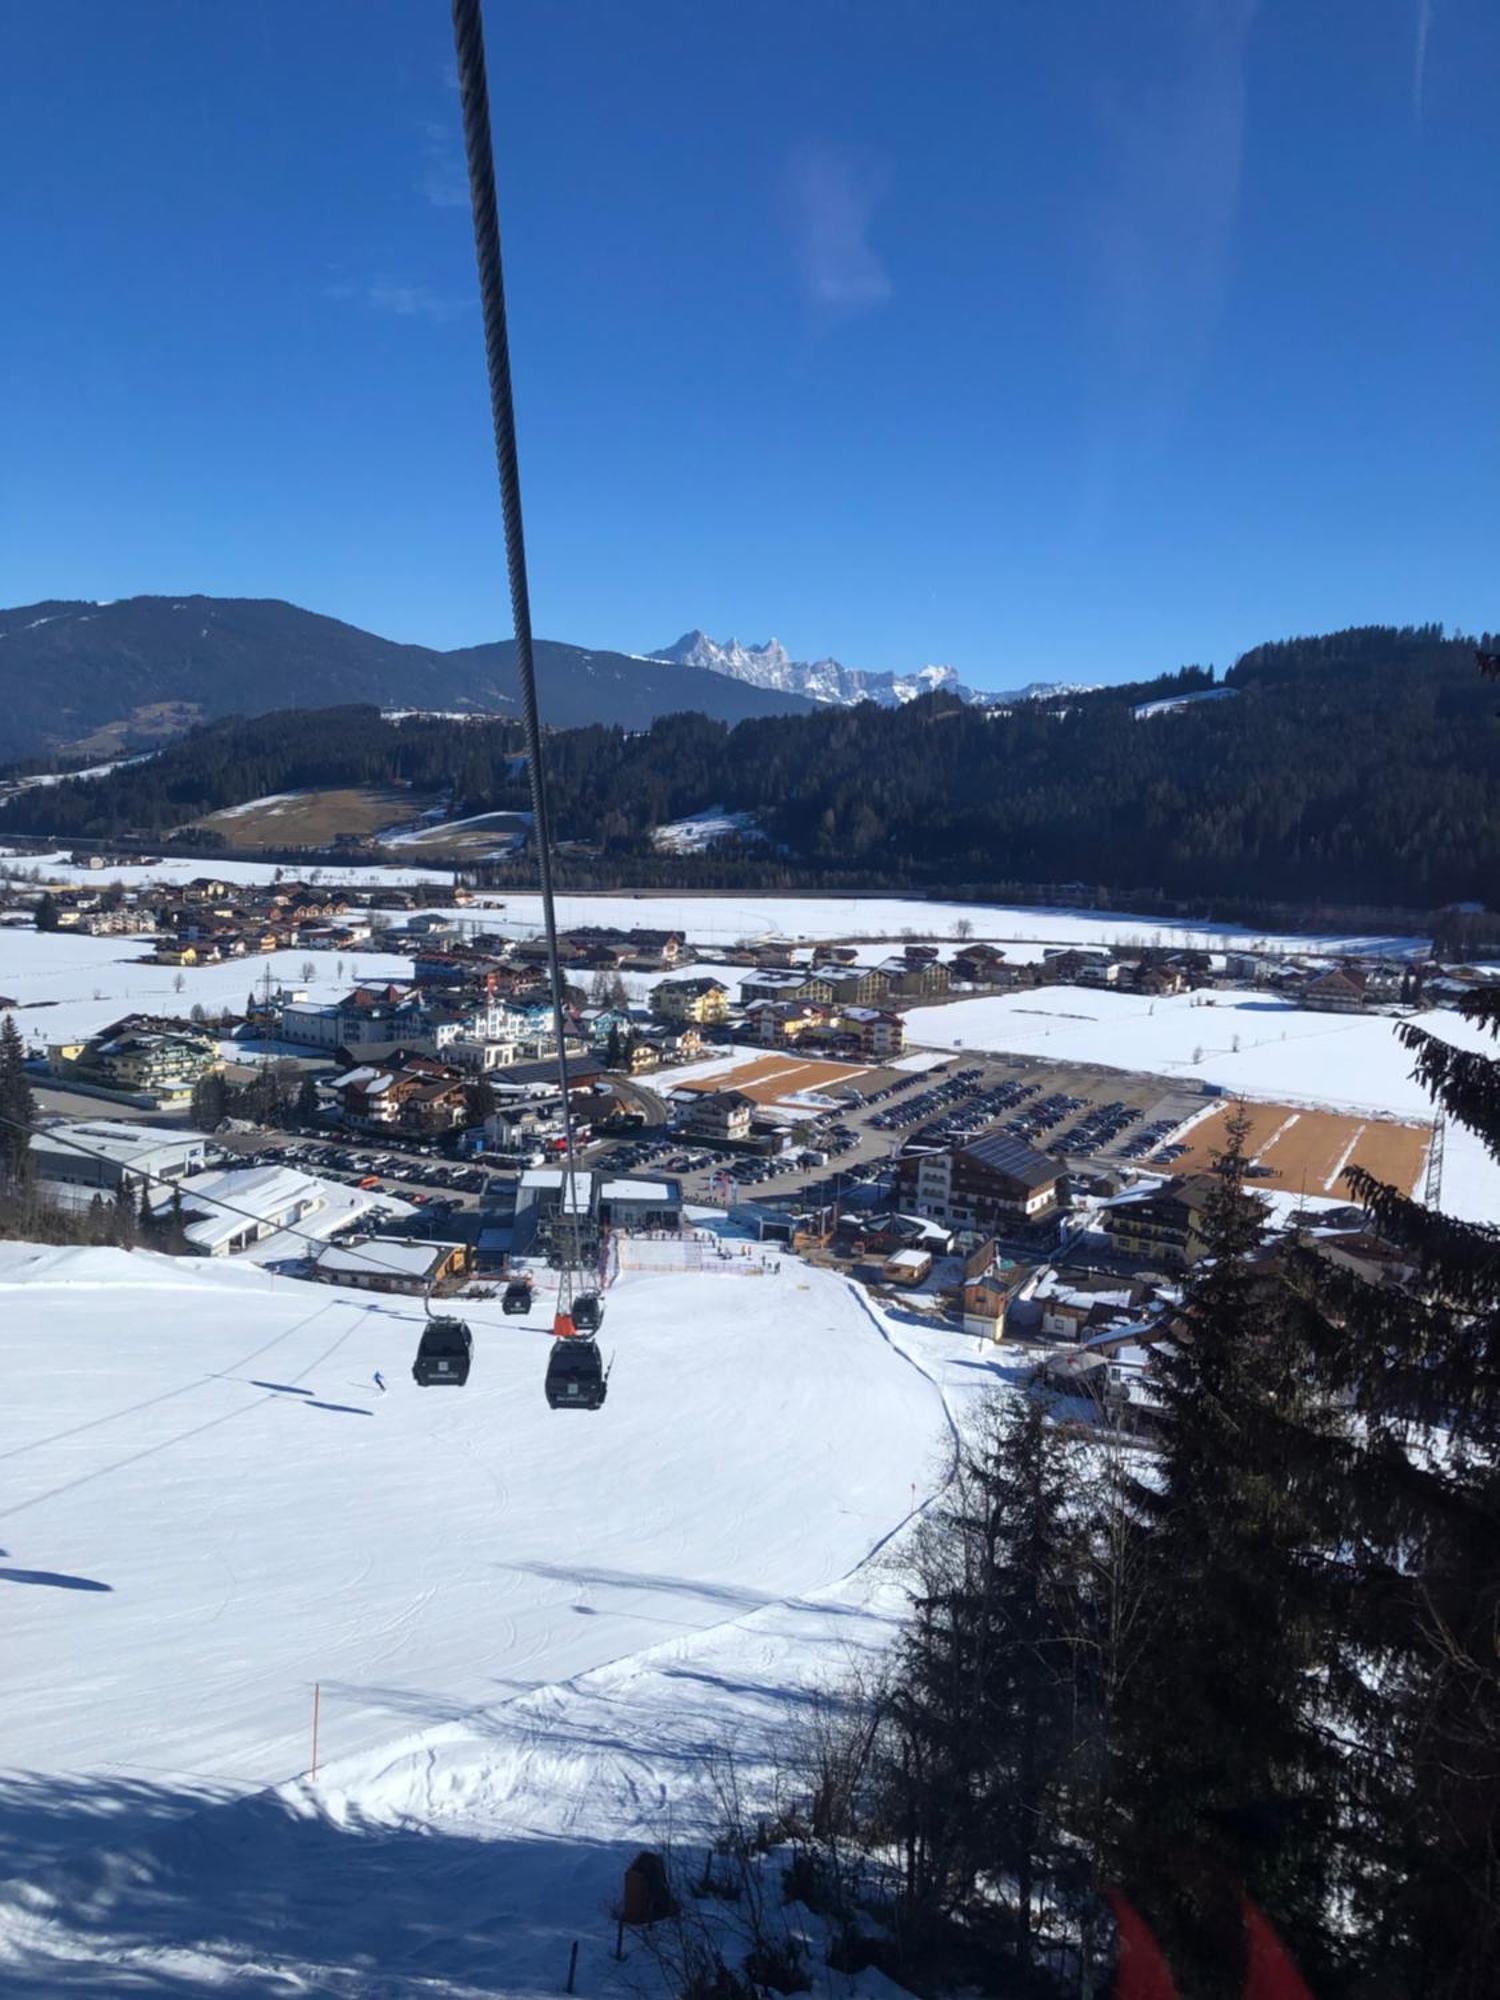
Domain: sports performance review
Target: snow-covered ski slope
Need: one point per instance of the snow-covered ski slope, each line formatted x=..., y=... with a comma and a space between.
x=528, y=1628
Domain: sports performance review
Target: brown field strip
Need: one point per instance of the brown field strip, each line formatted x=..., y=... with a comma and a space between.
x=1311, y=1151
x=317, y=816
x=769, y=1078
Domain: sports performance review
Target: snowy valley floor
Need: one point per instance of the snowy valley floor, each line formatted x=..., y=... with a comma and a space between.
x=532, y=1632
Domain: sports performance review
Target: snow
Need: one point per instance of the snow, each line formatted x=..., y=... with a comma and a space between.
x=1339, y=1060
x=91, y=771
x=509, y=828
x=1342, y=1061
x=273, y=802
x=57, y=867
x=528, y=1631
x=71, y=986
x=736, y=918
x=1180, y=701
x=703, y=830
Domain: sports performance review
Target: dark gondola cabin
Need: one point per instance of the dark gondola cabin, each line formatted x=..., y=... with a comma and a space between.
x=575, y=1375
x=588, y=1312
x=443, y=1357
x=517, y=1296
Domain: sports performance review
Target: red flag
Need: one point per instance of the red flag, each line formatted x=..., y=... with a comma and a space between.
x=1269, y=1973
x=1143, y=1973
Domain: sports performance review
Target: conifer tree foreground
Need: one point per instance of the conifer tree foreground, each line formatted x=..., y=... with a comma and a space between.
x=17, y=1105
x=1225, y=1782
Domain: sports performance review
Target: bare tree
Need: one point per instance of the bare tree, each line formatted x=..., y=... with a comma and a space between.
x=963, y=928
x=178, y=983
x=309, y=971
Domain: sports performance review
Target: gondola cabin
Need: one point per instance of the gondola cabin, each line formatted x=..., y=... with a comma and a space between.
x=575, y=1375
x=517, y=1296
x=444, y=1355
x=588, y=1312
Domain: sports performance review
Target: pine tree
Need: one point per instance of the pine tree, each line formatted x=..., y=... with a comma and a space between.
x=46, y=911
x=17, y=1105
x=1227, y=1782
x=983, y=1699
x=309, y=1104
x=1420, y=1364
x=210, y=1102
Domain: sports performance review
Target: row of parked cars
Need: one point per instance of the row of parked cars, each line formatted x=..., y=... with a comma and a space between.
x=1044, y=1114
x=1103, y=1124
x=370, y=1168
x=977, y=1114
x=957, y=1087
x=1149, y=1140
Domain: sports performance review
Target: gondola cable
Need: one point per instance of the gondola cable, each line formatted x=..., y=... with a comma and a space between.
x=479, y=152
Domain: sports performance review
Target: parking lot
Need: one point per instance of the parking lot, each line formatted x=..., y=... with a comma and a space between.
x=419, y=1174
x=1090, y=1116
x=1087, y=1116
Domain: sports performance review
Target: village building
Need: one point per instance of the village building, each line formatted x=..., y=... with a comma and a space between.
x=721, y=1116
x=260, y=1202
x=111, y=1155
x=996, y=1185
x=392, y=1264
x=1165, y=1225
x=704, y=1002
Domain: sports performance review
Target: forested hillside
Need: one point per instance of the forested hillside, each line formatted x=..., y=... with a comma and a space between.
x=1352, y=768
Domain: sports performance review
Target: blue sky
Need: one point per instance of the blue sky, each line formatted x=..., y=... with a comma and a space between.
x=1048, y=341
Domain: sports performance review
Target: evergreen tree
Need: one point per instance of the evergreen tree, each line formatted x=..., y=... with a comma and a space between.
x=615, y=1047
x=309, y=1104
x=210, y=1105
x=1420, y=1364
x=479, y=1100
x=17, y=1105
x=984, y=1698
x=46, y=912
x=1227, y=1782
x=147, y=1229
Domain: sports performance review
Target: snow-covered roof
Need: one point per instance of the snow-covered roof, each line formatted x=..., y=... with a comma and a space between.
x=395, y=1254
x=636, y=1191
x=270, y=1194
x=909, y=1260
x=576, y=1200
x=113, y=1138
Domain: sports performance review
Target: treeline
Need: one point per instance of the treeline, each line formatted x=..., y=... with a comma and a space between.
x=228, y=762
x=1351, y=769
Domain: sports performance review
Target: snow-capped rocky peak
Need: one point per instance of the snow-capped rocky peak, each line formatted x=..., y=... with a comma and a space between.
x=771, y=666
x=758, y=664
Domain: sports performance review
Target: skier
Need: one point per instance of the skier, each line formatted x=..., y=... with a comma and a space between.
x=379, y=1381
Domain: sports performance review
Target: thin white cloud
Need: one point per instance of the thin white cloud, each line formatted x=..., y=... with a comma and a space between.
x=1425, y=11
x=444, y=179
x=834, y=192
x=411, y=301
x=401, y=301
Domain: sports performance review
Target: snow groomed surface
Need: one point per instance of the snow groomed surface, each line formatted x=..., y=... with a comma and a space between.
x=528, y=1629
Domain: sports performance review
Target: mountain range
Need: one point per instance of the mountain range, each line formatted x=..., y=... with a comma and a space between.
x=99, y=679
x=831, y=684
